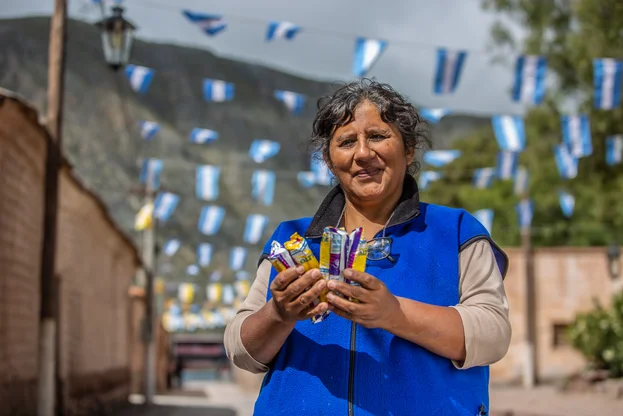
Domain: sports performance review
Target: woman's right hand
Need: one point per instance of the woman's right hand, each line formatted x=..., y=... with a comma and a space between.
x=293, y=292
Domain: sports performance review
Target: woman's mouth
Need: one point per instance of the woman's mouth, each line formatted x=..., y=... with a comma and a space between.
x=367, y=173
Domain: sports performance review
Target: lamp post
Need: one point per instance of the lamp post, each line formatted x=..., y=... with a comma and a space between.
x=117, y=38
x=614, y=260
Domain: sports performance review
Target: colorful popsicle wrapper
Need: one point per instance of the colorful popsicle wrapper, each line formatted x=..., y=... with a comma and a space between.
x=300, y=252
x=338, y=251
x=280, y=257
x=359, y=263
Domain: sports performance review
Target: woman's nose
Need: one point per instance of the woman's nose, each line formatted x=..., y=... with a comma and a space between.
x=363, y=150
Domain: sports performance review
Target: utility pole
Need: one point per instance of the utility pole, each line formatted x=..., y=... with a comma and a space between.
x=149, y=251
x=48, y=324
x=530, y=363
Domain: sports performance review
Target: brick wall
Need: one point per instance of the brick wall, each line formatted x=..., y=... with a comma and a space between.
x=94, y=267
x=21, y=217
x=567, y=281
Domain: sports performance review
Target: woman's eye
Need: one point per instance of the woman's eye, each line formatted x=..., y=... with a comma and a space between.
x=346, y=143
x=378, y=137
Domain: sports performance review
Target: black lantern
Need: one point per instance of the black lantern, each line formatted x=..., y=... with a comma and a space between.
x=614, y=260
x=117, y=37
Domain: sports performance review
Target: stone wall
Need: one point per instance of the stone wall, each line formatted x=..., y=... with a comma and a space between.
x=94, y=268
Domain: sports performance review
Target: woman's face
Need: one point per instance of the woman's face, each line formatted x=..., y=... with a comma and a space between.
x=368, y=156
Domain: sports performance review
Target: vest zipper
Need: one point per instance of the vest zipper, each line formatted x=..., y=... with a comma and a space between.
x=351, y=370
x=353, y=339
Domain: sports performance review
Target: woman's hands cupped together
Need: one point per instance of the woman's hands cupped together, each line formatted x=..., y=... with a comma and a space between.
x=377, y=307
x=293, y=292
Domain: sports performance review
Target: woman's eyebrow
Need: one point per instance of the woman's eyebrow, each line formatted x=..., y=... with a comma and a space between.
x=378, y=130
x=344, y=136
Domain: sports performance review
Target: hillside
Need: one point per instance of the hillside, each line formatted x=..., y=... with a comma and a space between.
x=101, y=133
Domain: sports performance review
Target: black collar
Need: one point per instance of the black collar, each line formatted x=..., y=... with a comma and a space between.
x=331, y=208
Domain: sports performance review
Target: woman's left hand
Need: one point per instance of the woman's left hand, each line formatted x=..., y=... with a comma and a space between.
x=377, y=307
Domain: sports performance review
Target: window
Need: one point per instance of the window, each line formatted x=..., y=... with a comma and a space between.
x=560, y=336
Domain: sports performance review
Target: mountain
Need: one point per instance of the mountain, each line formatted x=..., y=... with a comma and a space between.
x=102, y=140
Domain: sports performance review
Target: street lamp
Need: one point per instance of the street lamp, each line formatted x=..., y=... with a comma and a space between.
x=117, y=37
x=614, y=260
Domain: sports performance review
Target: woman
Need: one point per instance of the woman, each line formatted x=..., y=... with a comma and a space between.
x=433, y=312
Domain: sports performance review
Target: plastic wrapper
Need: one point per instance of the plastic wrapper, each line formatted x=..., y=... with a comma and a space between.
x=280, y=257
x=358, y=262
x=300, y=252
x=339, y=251
x=294, y=252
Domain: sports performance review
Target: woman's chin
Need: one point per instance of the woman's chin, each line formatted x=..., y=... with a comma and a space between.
x=369, y=192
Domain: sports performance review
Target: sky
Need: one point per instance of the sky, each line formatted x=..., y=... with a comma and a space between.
x=414, y=29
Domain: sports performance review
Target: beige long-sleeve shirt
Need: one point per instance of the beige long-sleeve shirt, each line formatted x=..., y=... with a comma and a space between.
x=483, y=308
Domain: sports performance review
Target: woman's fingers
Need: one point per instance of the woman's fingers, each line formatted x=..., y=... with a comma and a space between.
x=349, y=290
x=312, y=293
x=319, y=309
x=301, y=284
x=283, y=279
x=344, y=304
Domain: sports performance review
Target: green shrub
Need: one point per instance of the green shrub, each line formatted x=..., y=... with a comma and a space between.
x=598, y=335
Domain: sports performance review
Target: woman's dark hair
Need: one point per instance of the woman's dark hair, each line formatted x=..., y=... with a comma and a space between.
x=337, y=110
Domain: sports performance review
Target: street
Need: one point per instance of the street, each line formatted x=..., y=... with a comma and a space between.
x=225, y=399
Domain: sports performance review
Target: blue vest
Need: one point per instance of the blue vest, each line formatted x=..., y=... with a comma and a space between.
x=339, y=368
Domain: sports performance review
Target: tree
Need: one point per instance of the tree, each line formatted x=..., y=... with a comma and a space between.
x=570, y=34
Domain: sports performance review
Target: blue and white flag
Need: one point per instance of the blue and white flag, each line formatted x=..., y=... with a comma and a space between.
x=282, y=30
x=521, y=184
x=150, y=173
x=306, y=179
x=262, y=150
x=614, y=150
x=294, y=101
x=237, y=258
x=202, y=136
x=217, y=90
x=426, y=177
x=254, y=228
x=216, y=276
x=509, y=132
x=322, y=173
x=192, y=270
x=210, y=24
x=229, y=294
x=507, y=165
x=434, y=115
x=576, y=134
x=206, y=185
x=164, y=205
x=242, y=275
x=149, y=129
x=263, y=186
x=171, y=247
x=565, y=162
x=485, y=217
x=204, y=254
x=525, y=212
x=210, y=219
x=140, y=77
x=367, y=52
x=607, y=78
x=567, y=203
x=530, y=73
x=483, y=177
x=440, y=158
x=449, y=68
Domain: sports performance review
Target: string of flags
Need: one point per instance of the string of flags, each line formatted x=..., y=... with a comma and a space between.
x=529, y=87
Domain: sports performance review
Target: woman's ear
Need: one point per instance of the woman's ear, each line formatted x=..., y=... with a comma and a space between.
x=410, y=156
x=327, y=160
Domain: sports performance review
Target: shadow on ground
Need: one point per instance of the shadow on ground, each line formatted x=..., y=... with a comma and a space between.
x=139, y=410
